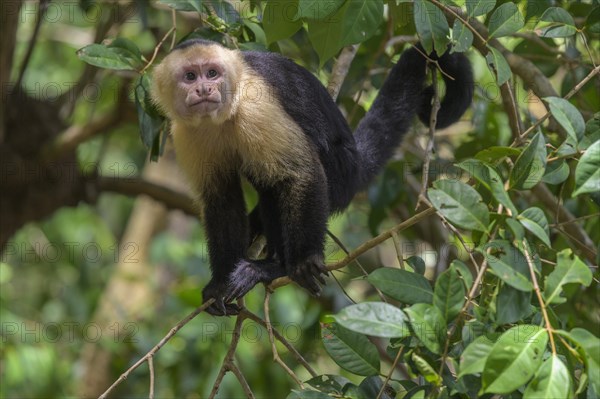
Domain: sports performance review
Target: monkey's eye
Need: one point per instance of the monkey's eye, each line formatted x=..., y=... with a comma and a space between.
x=212, y=73
x=190, y=76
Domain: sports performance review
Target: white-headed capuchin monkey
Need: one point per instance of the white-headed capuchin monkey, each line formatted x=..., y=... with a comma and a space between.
x=260, y=116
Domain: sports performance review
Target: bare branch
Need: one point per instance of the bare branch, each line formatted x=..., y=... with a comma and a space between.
x=372, y=243
x=157, y=347
x=340, y=70
x=435, y=107
x=135, y=186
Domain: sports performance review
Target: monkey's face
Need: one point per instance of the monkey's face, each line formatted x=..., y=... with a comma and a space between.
x=200, y=86
x=196, y=84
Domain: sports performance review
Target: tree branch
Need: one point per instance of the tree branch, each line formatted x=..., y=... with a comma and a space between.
x=135, y=186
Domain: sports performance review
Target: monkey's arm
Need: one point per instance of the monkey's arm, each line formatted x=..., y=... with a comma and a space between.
x=226, y=226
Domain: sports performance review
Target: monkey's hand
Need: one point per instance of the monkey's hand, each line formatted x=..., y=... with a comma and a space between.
x=309, y=273
x=248, y=273
x=220, y=307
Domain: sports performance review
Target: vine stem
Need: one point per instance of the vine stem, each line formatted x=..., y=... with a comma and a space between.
x=538, y=293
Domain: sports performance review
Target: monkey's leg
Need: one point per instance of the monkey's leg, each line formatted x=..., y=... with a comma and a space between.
x=226, y=225
x=304, y=212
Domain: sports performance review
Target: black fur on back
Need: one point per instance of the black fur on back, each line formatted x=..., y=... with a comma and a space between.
x=351, y=161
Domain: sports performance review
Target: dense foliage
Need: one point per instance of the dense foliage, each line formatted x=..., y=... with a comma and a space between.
x=496, y=292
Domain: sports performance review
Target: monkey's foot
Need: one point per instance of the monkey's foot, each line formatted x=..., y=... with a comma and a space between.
x=220, y=307
x=248, y=273
x=309, y=273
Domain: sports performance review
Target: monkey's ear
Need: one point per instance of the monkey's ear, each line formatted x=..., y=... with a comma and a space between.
x=160, y=87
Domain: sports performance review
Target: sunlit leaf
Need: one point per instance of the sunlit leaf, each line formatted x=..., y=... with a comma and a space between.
x=514, y=359
x=552, y=380
x=568, y=116
x=402, y=285
x=569, y=269
x=498, y=65
x=534, y=220
x=428, y=324
x=350, y=350
x=530, y=166
x=432, y=26
x=560, y=23
x=505, y=20
x=587, y=172
x=508, y=263
x=473, y=358
x=460, y=204
x=374, y=318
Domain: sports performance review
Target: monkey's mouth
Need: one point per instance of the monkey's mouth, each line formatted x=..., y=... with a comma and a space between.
x=204, y=101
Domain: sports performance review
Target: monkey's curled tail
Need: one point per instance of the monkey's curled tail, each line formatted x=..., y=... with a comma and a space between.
x=402, y=96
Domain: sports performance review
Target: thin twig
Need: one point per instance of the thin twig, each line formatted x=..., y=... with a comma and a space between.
x=538, y=293
x=157, y=347
x=570, y=94
x=340, y=70
x=435, y=107
x=372, y=243
x=248, y=314
x=158, y=46
x=276, y=357
x=151, y=368
x=387, y=378
x=241, y=379
x=229, y=356
x=32, y=41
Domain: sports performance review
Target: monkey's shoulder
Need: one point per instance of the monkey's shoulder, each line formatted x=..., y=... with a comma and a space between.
x=303, y=97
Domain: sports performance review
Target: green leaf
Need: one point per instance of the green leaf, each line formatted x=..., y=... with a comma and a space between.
x=512, y=305
x=428, y=325
x=479, y=7
x=496, y=153
x=556, y=172
x=569, y=269
x=449, y=294
x=516, y=229
x=498, y=65
x=104, y=57
x=505, y=20
x=307, y=394
x=514, y=359
x=461, y=36
x=592, y=22
x=328, y=383
x=432, y=26
x=534, y=220
x=128, y=50
x=354, y=22
x=591, y=345
x=464, y=271
x=508, y=263
x=530, y=166
x=417, y=264
x=552, y=380
x=374, y=318
x=277, y=21
x=460, y=204
x=561, y=23
x=490, y=179
x=317, y=9
x=587, y=172
x=402, y=285
x=150, y=122
x=473, y=358
x=567, y=116
x=426, y=370
x=350, y=350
